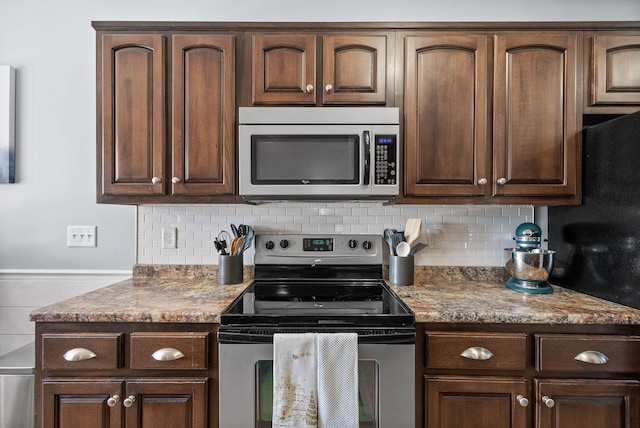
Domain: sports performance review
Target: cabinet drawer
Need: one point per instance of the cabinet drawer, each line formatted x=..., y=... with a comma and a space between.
x=586, y=353
x=476, y=351
x=81, y=351
x=169, y=350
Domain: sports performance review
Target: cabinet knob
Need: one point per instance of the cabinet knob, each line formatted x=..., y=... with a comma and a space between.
x=477, y=353
x=112, y=401
x=175, y=180
x=156, y=180
x=328, y=88
x=482, y=181
x=309, y=88
x=592, y=357
x=128, y=402
x=548, y=401
x=79, y=354
x=167, y=354
x=502, y=181
x=522, y=400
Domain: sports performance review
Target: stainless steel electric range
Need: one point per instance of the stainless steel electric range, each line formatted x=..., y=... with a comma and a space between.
x=326, y=284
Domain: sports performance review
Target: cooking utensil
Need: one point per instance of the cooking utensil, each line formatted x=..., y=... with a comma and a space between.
x=403, y=249
x=222, y=240
x=236, y=244
x=396, y=239
x=417, y=247
x=248, y=238
x=412, y=230
x=388, y=237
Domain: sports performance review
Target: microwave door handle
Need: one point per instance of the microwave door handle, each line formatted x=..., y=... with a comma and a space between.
x=367, y=156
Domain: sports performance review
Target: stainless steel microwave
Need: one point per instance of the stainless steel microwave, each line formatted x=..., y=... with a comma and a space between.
x=324, y=153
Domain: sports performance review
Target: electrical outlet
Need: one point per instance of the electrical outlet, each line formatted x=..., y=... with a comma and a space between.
x=433, y=237
x=169, y=237
x=81, y=236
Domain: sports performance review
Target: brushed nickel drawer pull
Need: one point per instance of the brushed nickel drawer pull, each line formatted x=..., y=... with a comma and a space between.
x=167, y=354
x=79, y=354
x=548, y=401
x=592, y=357
x=477, y=353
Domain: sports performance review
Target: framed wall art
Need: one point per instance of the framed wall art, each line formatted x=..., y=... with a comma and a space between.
x=7, y=124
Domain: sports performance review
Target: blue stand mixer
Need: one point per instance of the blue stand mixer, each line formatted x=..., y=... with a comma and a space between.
x=528, y=264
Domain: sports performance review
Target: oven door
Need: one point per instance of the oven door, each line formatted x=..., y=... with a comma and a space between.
x=386, y=384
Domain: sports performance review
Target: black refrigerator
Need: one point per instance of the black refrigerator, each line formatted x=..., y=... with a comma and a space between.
x=597, y=244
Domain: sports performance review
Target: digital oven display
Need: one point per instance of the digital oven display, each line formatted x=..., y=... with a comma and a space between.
x=317, y=244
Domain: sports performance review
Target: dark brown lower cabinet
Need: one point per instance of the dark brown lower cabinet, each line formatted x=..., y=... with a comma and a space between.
x=527, y=376
x=131, y=403
x=595, y=403
x=470, y=402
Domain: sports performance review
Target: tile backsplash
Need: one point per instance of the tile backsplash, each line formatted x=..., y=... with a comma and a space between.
x=459, y=235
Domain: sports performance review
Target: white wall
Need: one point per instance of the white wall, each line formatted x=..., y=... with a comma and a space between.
x=52, y=46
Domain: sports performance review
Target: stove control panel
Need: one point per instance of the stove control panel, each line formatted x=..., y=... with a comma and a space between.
x=299, y=249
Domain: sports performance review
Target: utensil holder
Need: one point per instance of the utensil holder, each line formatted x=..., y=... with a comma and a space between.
x=230, y=269
x=401, y=270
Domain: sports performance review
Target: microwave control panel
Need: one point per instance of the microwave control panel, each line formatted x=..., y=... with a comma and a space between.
x=386, y=163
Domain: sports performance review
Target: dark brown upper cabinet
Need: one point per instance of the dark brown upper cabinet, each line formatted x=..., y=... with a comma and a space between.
x=159, y=141
x=614, y=72
x=491, y=118
x=306, y=69
x=203, y=115
x=131, y=114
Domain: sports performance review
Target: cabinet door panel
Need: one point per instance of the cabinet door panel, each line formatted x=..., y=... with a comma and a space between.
x=133, y=108
x=355, y=69
x=535, y=119
x=203, y=131
x=446, y=145
x=81, y=403
x=588, y=404
x=171, y=402
x=615, y=77
x=470, y=402
x=283, y=68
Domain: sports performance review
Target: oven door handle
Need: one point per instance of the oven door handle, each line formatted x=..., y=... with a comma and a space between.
x=399, y=337
x=367, y=156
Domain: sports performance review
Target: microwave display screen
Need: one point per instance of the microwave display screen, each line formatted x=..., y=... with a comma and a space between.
x=305, y=159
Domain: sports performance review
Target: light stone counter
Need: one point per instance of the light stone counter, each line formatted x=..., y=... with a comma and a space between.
x=462, y=295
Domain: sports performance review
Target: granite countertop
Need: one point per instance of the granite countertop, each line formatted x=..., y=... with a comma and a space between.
x=461, y=295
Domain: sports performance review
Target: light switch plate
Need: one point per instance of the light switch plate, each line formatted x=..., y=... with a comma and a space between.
x=81, y=236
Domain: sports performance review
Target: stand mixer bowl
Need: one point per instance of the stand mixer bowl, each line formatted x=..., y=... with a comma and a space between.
x=529, y=269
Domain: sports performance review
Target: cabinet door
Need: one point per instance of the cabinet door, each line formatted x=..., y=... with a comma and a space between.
x=446, y=143
x=131, y=114
x=615, y=73
x=354, y=69
x=171, y=402
x=587, y=403
x=535, y=121
x=283, y=68
x=203, y=114
x=470, y=402
x=82, y=403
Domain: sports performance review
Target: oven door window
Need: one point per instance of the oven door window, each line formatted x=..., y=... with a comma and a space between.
x=305, y=159
x=368, y=380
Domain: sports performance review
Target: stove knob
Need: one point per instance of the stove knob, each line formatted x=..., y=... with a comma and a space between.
x=367, y=245
x=353, y=244
x=269, y=245
x=284, y=244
